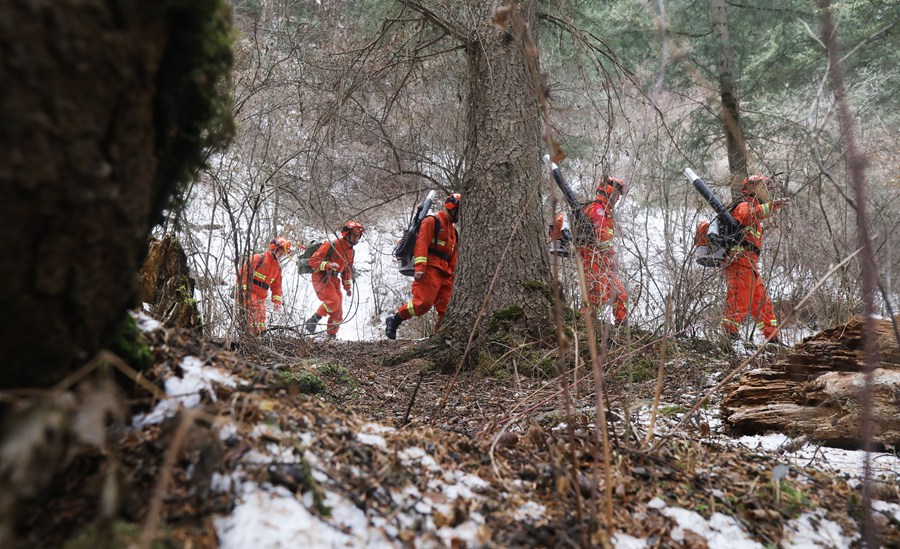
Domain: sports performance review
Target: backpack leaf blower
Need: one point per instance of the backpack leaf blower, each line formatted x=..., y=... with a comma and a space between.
x=584, y=231
x=403, y=251
x=714, y=238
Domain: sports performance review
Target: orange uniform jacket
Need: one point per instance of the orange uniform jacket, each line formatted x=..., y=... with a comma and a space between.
x=434, y=255
x=325, y=281
x=342, y=255
x=750, y=213
x=436, y=251
x=266, y=275
x=604, y=226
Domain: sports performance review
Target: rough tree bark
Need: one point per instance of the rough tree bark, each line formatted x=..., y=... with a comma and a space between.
x=501, y=187
x=106, y=107
x=735, y=143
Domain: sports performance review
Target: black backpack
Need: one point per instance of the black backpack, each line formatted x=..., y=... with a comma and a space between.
x=405, y=257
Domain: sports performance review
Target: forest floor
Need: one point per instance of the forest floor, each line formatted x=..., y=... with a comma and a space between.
x=319, y=444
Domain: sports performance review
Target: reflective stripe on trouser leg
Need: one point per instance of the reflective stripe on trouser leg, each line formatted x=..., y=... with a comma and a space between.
x=256, y=315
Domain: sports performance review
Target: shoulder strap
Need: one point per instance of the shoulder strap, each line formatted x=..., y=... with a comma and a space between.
x=437, y=228
x=262, y=257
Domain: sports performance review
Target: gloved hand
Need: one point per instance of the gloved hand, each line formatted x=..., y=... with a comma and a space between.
x=348, y=290
x=781, y=203
x=419, y=275
x=333, y=266
x=277, y=307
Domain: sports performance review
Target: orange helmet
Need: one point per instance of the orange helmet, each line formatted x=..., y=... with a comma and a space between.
x=280, y=242
x=609, y=185
x=352, y=226
x=751, y=182
x=452, y=201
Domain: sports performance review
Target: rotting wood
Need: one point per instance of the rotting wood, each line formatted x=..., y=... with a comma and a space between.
x=815, y=390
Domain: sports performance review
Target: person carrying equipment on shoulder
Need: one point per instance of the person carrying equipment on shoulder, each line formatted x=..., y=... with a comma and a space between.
x=256, y=277
x=599, y=257
x=435, y=262
x=333, y=260
x=746, y=293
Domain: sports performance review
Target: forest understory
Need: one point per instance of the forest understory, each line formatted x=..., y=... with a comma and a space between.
x=501, y=464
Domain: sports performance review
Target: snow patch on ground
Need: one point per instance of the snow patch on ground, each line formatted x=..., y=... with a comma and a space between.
x=719, y=530
x=847, y=463
x=269, y=516
x=272, y=516
x=812, y=530
x=889, y=509
x=186, y=391
x=144, y=322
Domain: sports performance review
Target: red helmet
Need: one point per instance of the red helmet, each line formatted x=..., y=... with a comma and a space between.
x=280, y=242
x=452, y=201
x=609, y=185
x=751, y=182
x=352, y=226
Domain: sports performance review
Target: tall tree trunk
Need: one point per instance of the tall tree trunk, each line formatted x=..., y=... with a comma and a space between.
x=734, y=137
x=501, y=187
x=105, y=110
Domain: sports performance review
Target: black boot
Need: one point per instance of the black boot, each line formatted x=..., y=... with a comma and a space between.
x=311, y=323
x=391, y=324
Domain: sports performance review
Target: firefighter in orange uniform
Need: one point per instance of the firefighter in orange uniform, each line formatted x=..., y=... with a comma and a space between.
x=333, y=260
x=599, y=258
x=746, y=293
x=265, y=276
x=435, y=261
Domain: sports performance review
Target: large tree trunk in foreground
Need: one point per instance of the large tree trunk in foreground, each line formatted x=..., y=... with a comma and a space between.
x=816, y=390
x=104, y=108
x=501, y=198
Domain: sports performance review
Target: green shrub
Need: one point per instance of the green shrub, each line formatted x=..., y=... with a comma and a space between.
x=336, y=373
x=306, y=382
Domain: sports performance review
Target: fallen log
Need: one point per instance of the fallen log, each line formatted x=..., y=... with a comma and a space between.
x=815, y=391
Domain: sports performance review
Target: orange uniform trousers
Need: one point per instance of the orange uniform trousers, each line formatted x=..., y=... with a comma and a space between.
x=602, y=282
x=328, y=290
x=256, y=313
x=432, y=291
x=747, y=295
